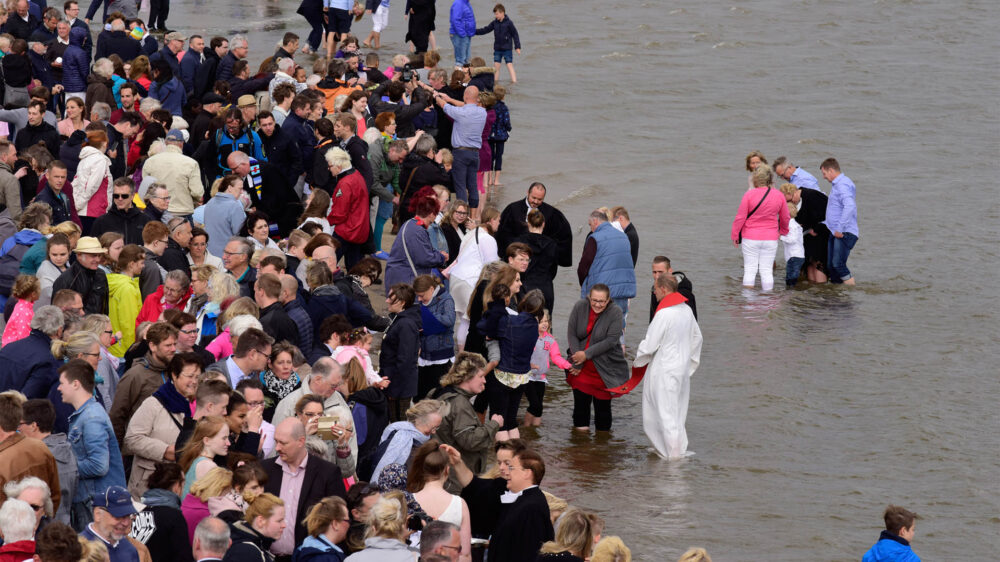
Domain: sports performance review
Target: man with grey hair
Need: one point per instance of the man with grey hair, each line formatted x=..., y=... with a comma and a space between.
x=793, y=174
x=441, y=538
x=211, y=540
x=17, y=525
x=27, y=365
x=286, y=67
x=607, y=259
x=180, y=173
x=239, y=47
x=147, y=106
x=326, y=376
x=236, y=259
x=35, y=492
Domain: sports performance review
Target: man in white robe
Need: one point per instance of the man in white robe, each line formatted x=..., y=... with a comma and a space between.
x=672, y=350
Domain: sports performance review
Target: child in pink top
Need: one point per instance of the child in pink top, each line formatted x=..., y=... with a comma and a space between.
x=356, y=346
x=546, y=352
x=26, y=289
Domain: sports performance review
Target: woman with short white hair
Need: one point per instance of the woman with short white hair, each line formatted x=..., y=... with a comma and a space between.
x=17, y=525
x=35, y=492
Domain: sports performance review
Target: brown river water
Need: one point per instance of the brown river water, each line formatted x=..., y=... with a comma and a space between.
x=812, y=408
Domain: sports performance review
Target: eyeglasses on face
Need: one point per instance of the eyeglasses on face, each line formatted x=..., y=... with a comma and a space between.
x=123, y=195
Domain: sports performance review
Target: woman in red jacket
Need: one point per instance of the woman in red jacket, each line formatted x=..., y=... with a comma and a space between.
x=349, y=213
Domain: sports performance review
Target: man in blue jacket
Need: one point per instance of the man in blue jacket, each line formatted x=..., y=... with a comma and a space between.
x=894, y=543
x=98, y=458
x=461, y=29
x=191, y=63
x=607, y=259
x=173, y=43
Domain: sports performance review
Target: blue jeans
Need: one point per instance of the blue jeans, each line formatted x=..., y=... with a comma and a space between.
x=838, y=250
x=463, y=175
x=793, y=267
x=461, y=45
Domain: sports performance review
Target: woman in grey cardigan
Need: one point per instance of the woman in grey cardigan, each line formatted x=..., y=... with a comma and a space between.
x=595, y=326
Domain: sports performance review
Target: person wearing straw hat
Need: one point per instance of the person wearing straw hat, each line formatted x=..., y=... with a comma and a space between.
x=85, y=278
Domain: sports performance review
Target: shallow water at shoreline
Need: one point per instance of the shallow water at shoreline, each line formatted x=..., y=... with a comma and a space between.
x=813, y=408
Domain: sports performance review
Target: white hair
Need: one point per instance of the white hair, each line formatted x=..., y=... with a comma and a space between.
x=15, y=488
x=48, y=319
x=239, y=324
x=104, y=68
x=286, y=65
x=148, y=105
x=372, y=134
x=337, y=157
x=17, y=521
x=238, y=42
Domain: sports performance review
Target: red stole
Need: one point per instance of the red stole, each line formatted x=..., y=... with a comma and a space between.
x=673, y=299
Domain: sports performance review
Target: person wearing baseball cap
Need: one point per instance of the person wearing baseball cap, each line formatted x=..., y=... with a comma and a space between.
x=114, y=511
x=85, y=278
x=173, y=44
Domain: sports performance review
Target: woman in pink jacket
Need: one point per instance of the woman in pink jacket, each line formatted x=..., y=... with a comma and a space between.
x=760, y=219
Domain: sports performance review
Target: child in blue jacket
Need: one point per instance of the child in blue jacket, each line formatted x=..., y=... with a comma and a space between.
x=505, y=40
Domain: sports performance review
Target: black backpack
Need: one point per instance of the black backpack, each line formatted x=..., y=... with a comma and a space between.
x=10, y=267
x=365, y=472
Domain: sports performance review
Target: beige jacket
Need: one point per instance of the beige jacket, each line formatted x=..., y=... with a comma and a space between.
x=150, y=431
x=180, y=174
x=335, y=405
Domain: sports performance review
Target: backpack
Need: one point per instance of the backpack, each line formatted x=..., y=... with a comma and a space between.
x=365, y=472
x=10, y=267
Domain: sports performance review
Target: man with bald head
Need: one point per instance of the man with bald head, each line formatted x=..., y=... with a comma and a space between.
x=300, y=480
x=466, y=140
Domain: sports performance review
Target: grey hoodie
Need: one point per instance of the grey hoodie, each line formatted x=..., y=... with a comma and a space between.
x=66, y=465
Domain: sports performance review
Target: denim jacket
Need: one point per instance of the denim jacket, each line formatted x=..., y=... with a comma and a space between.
x=437, y=341
x=98, y=459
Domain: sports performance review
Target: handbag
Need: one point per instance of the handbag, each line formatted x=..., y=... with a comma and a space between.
x=739, y=237
x=14, y=96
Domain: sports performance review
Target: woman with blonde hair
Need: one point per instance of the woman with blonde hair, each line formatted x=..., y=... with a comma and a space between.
x=753, y=160
x=223, y=345
x=478, y=248
x=327, y=522
x=611, y=549
x=574, y=538
x=761, y=218
x=195, y=505
x=221, y=287
x=695, y=554
x=387, y=532
x=209, y=438
x=93, y=551
x=262, y=524
x=107, y=367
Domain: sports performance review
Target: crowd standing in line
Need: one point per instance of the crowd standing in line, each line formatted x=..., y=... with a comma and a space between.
x=186, y=366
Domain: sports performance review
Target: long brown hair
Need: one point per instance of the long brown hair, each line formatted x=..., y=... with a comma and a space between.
x=318, y=206
x=429, y=463
x=206, y=428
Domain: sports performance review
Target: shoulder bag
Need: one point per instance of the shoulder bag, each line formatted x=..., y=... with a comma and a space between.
x=739, y=238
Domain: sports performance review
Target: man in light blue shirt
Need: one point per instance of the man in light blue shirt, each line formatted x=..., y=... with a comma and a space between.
x=466, y=140
x=798, y=176
x=841, y=219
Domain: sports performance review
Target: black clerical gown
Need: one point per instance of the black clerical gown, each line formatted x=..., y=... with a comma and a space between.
x=557, y=228
x=521, y=527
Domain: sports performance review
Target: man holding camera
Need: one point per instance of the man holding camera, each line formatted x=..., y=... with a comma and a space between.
x=404, y=82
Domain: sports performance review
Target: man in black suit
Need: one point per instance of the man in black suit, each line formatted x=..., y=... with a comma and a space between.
x=523, y=522
x=512, y=223
x=312, y=480
x=211, y=540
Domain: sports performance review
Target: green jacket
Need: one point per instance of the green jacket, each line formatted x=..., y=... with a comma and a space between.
x=462, y=429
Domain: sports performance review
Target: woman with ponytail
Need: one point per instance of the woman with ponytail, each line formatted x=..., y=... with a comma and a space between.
x=385, y=540
x=426, y=481
x=262, y=524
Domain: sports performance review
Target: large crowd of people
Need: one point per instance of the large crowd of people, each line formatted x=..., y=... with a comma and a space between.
x=192, y=364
